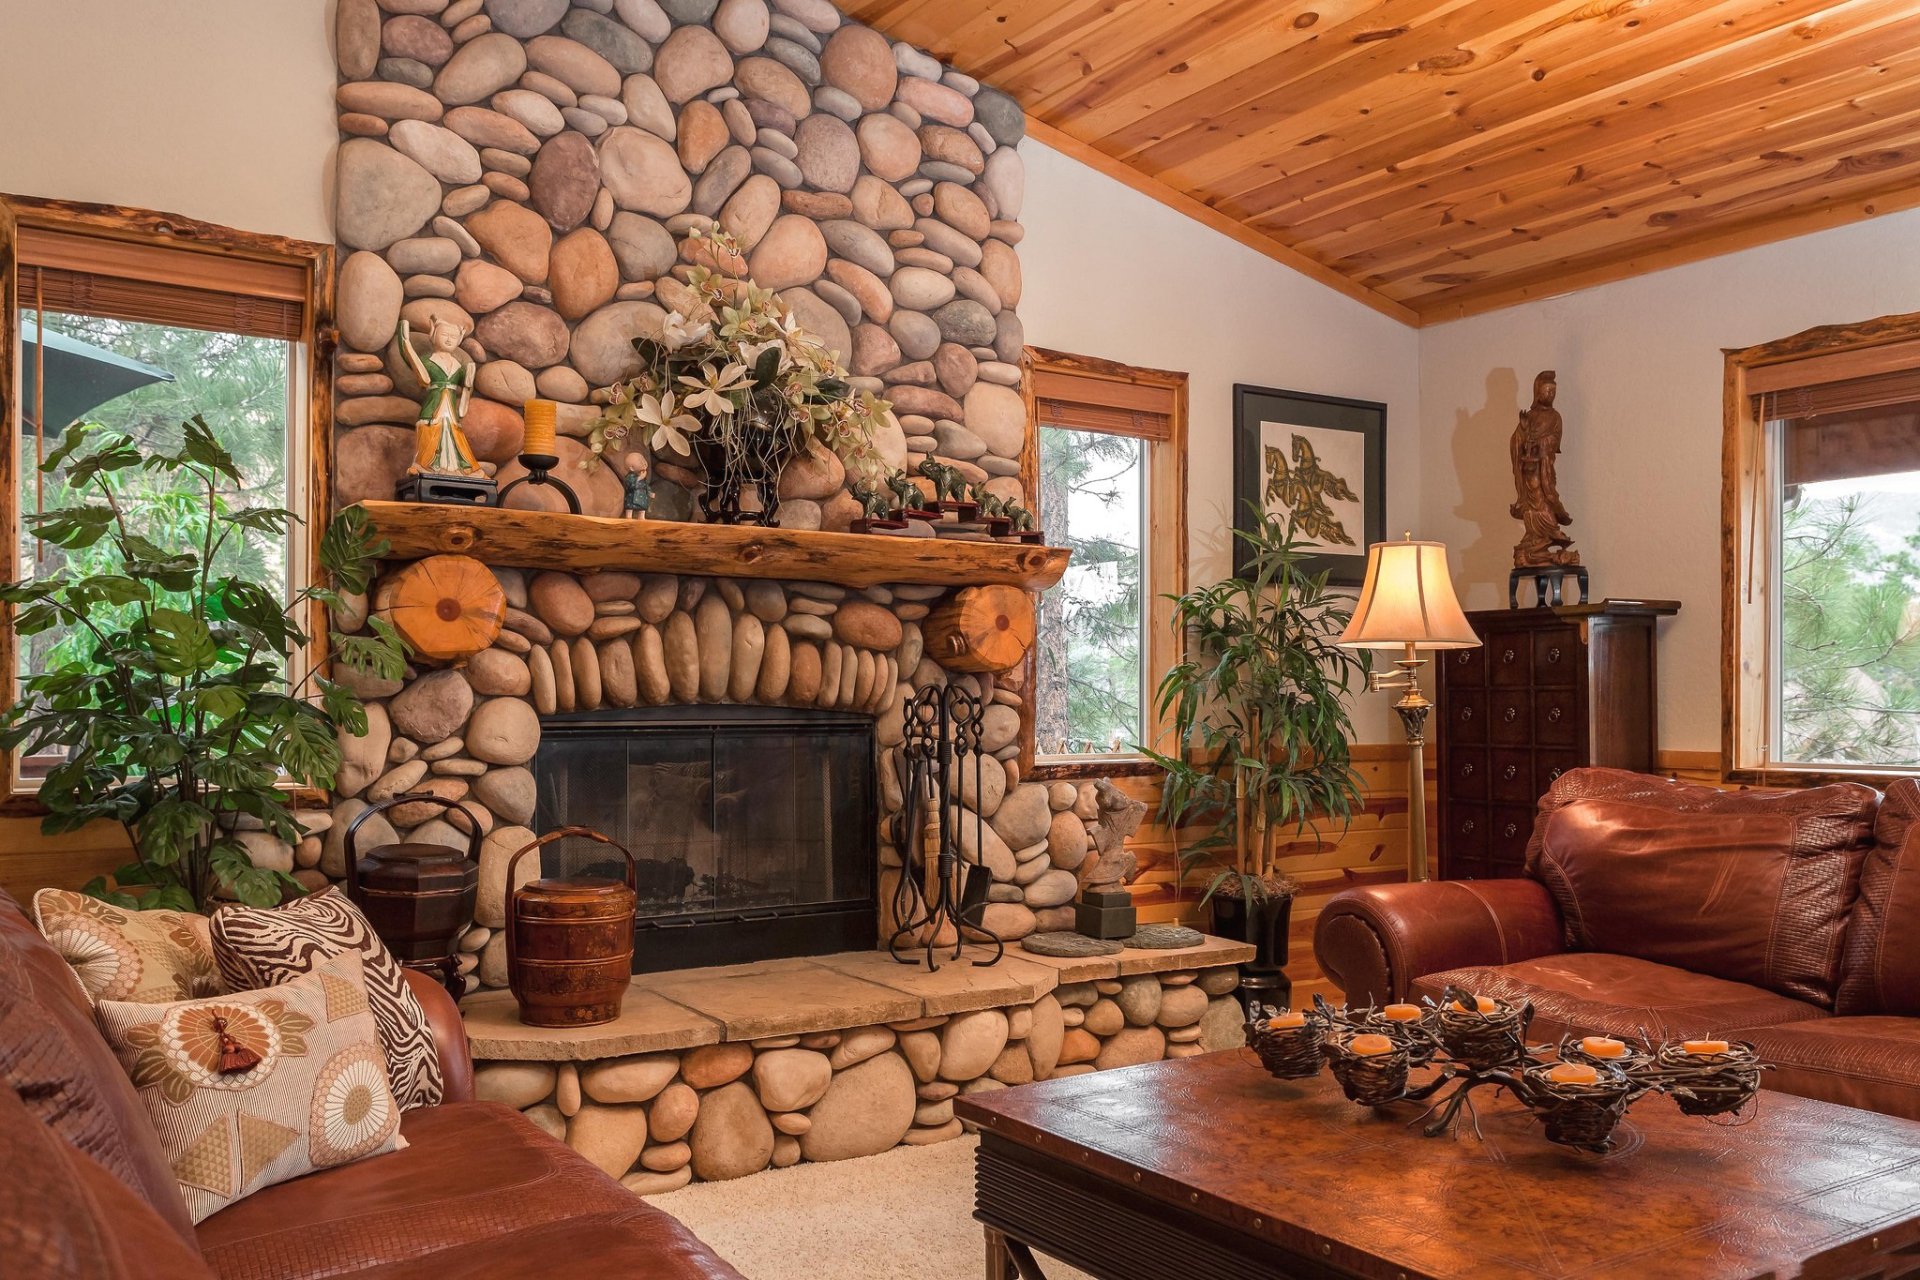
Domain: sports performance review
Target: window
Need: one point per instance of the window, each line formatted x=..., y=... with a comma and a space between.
x=137, y=322
x=1823, y=620
x=1109, y=469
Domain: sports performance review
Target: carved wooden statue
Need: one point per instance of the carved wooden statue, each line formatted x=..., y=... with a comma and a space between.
x=1535, y=450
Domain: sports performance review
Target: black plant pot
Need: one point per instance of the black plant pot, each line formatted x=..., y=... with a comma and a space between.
x=753, y=458
x=1265, y=926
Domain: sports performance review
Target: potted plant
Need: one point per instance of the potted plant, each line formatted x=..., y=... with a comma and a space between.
x=734, y=385
x=1257, y=713
x=172, y=701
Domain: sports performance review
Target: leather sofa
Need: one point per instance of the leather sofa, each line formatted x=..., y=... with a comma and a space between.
x=1658, y=910
x=478, y=1193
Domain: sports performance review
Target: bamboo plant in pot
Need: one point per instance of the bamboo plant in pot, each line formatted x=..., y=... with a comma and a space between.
x=1257, y=718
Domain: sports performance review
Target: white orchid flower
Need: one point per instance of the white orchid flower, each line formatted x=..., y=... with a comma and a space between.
x=750, y=353
x=678, y=331
x=670, y=427
x=711, y=387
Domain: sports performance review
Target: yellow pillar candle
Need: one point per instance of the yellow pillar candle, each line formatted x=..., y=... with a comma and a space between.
x=1573, y=1073
x=1480, y=1005
x=1603, y=1047
x=1401, y=1013
x=1705, y=1048
x=1287, y=1021
x=1369, y=1046
x=541, y=416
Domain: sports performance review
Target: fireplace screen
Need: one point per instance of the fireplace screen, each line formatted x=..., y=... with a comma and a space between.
x=753, y=828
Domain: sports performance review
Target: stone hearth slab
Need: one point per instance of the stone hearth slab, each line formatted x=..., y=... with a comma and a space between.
x=648, y=1023
x=1208, y=955
x=784, y=1001
x=956, y=986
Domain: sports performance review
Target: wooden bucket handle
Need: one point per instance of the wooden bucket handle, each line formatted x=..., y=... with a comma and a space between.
x=559, y=833
x=353, y=830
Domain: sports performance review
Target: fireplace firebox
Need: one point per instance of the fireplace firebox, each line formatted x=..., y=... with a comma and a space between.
x=754, y=829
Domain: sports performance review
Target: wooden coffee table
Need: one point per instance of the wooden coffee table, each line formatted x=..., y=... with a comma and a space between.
x=1208, y=1167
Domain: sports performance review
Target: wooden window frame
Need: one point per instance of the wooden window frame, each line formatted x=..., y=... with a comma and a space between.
x=1746, y=489
x=228, y=251
x=1166, y=572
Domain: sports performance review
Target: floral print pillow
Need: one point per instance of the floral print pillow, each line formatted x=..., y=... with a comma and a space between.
x=148, y=957
x=257, y=1087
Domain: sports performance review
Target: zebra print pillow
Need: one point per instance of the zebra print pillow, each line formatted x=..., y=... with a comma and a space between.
x=256, y=947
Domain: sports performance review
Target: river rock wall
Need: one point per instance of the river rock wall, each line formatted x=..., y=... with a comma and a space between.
x=524, y=168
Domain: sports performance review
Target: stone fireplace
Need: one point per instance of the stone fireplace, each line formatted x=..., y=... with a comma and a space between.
x=753, y=829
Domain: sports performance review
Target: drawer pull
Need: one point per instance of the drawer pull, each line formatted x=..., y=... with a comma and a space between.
x=1553, y=715
x=1512, y=830
x=1463, y=658
x=1511, y=714
x=1506, y=657
x=1466, y=769
x=1554, y=776
x=1553, y=654
x=1510, y=771
x=1466, y=828
x=1466, y=713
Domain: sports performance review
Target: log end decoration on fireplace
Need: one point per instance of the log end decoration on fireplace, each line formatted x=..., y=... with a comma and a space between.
x=581, y=544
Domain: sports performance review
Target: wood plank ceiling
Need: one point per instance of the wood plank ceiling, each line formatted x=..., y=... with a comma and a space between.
x=1443, y=157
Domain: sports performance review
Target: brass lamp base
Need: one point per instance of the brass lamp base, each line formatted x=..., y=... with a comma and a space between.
x=1413, y=709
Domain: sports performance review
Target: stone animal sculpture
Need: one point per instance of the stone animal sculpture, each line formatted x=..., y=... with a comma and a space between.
x=874, y=504
x=947, y=482
x=1021, y=517
x=905, y=491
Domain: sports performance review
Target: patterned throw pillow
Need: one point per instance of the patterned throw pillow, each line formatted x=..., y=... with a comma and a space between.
x=257, y=1087
x=148, y=957
x=258, y=947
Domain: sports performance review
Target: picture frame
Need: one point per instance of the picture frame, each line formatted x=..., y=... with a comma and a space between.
x=1331, y=465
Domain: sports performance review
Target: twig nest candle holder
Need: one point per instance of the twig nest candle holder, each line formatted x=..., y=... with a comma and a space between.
x=1709, y=1077
x=1579, y=1102
x=1289, y=1044
x=1408, y=1025
x=1480, y=1033
x=1600, y=1051
x=1371, y=1069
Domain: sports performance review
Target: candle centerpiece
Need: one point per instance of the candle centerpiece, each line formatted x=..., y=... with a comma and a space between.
x=1579, y=1090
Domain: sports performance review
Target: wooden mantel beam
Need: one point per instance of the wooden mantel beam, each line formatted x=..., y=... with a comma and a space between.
x=580, y=544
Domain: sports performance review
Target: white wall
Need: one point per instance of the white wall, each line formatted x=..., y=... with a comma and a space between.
x=1640, y=373
x=1112, y=273
x=213, y=109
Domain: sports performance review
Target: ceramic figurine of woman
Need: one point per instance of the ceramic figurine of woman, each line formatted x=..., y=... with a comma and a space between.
x=441, y=447
x=639, y=488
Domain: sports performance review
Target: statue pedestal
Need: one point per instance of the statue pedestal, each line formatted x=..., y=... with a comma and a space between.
x=456, y=491
x=1104, y=914
x=1549, y=583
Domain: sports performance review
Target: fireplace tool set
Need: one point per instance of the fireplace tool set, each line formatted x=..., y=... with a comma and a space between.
x=939, y=888
x=1579, y=1093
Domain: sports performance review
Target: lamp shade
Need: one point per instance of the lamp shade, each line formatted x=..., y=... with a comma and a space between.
x=1408, y=600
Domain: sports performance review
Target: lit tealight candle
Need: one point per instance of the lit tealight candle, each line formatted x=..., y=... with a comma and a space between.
x=1369, y=1046
x=1480, y=1005
x=1705, y=1048
x=1401, y=1013
x=1603, y=1047
x=1287, y=1021
x=541, y=417
x=1573, y=1073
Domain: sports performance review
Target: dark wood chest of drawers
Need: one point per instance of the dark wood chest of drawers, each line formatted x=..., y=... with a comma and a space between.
x=1549, y=690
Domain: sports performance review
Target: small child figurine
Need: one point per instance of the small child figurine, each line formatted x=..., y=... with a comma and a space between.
x=639, y=488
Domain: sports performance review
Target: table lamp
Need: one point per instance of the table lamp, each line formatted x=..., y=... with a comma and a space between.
x=1407, y=603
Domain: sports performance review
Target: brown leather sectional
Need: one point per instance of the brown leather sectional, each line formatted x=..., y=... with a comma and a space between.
x=1656, y=909
x=479, y=1192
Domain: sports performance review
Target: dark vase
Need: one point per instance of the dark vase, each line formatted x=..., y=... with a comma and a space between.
x=1265, y=924
x=753, y=454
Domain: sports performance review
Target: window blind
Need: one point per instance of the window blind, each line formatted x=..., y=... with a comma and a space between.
x=155, y=284
x=1085, y=402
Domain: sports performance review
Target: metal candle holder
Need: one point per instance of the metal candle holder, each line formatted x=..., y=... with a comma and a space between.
x=540, y=472
x=941, y=728
x=1470, y=1048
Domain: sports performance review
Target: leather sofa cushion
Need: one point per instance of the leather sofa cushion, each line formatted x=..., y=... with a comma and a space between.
x=474, y=1188
x=1870, y=1062
x=54, y=1061
x=1753, y=887
x=1593, y=993
x=64, y=1217
x=1881, y=971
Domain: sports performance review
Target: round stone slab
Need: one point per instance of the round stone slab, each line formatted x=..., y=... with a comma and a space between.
x=1164, y=937
x=1069, y=944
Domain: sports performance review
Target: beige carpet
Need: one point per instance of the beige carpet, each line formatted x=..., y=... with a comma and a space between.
x=906, y=1214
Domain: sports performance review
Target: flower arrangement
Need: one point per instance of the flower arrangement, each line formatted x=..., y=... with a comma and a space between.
x=734, y=383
